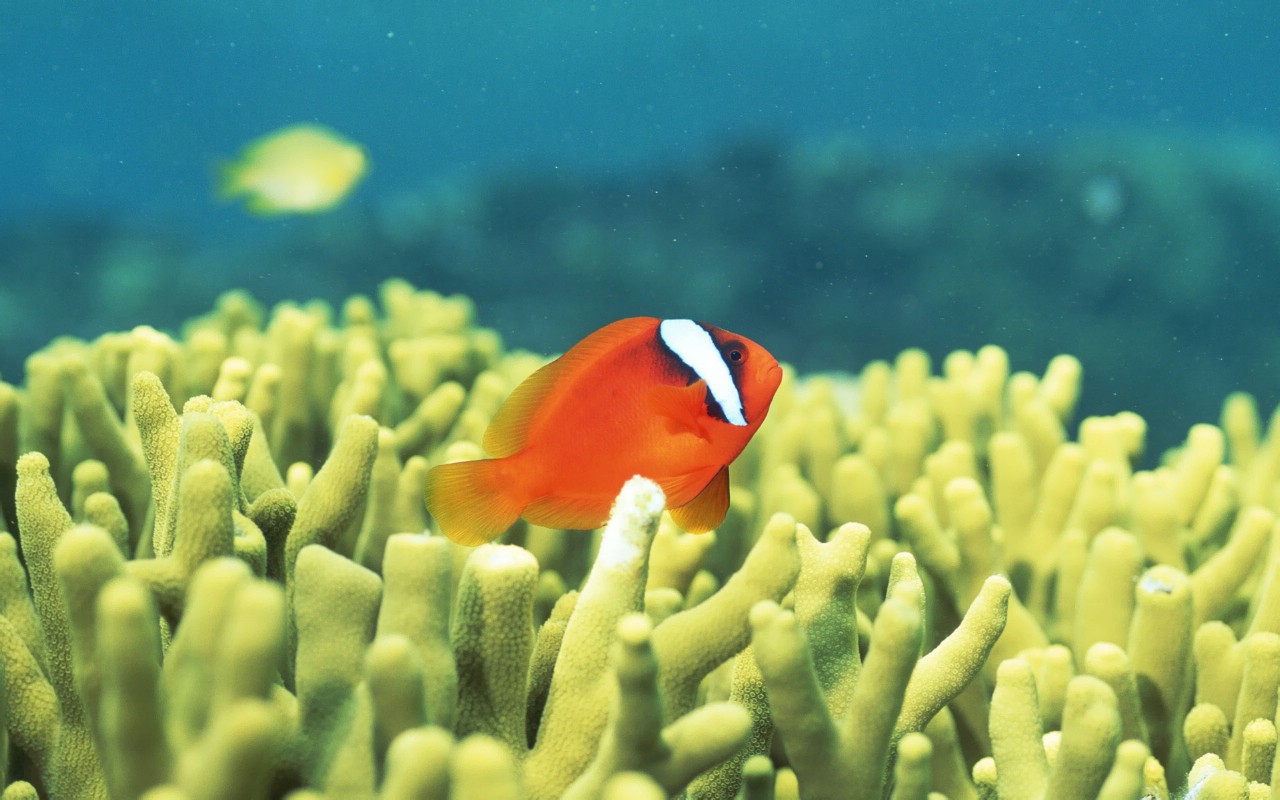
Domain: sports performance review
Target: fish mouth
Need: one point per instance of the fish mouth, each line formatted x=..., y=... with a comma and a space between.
x=774, y=374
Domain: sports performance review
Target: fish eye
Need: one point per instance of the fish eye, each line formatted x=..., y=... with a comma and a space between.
x=735, y=353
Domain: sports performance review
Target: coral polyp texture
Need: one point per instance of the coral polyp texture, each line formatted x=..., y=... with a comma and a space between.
x=220, y=581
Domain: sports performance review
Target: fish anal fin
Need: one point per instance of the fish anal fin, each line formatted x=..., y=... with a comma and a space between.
x=707, y=510
x=471, y=501
x=579, y=514
x=682, y=408
x=508, y=432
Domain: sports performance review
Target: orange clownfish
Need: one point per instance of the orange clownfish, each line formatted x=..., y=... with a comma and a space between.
x=673, y=400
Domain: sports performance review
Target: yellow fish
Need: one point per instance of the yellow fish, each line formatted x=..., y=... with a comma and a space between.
x=299, y=169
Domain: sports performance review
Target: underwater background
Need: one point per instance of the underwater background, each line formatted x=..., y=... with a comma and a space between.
x=836, y=180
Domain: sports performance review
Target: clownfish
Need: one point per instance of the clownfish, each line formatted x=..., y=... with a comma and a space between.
x=673, y=400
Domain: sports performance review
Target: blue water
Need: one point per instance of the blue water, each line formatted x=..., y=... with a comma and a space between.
x=124, y=106
x=113, y=115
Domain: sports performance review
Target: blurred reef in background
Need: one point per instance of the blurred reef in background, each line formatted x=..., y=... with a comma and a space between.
x=1149, y=258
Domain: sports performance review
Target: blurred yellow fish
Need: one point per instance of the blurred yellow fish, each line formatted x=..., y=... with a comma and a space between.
x=299, y=169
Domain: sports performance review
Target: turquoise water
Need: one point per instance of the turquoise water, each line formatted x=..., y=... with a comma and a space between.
x=838, y=180
x=122, y=106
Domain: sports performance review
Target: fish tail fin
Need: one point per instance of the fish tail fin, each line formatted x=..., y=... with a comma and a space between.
x=226, y=180
x=472, y=501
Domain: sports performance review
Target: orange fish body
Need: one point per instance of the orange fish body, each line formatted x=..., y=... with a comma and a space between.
x=672, y=400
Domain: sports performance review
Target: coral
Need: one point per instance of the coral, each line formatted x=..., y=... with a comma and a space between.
x=218, y=580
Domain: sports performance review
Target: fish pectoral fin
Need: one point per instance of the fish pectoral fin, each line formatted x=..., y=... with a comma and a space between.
x=707, y=510
x=682, y=408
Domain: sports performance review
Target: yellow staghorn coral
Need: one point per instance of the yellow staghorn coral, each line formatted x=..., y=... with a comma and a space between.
x=218, y=580
x=636, y=739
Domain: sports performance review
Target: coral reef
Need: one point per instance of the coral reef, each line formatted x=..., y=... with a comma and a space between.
x=219, y=581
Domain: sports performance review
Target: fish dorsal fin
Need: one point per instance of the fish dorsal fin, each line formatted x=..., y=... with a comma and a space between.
x=508, y=433
x=509, y=429
x=707, y=510
x=684, y=408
